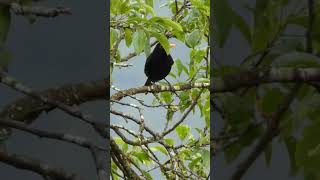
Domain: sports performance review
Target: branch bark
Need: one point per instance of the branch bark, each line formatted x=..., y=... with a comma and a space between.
x=23, y=162
x=250, y=78
x=27, y=109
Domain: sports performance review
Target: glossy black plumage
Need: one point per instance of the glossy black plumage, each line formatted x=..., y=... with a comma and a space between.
x=158, y=65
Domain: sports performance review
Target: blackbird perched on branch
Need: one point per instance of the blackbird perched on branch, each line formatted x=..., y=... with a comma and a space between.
x=158, y=64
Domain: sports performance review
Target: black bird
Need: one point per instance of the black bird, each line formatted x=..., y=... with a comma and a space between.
x=158, y=65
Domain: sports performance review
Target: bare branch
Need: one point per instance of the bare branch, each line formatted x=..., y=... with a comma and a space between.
x=24, y=162
x=80, y=141
x=157, y=88
x=14, y=84
x=39, y=11
x=27, y=109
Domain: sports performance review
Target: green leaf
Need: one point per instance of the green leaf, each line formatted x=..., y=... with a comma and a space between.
x=114, y=36
x=311, y=176
x=308, y=108
x=193, y=39
x=192, y=165
x=167, y=97
x=184, y=96
x=290, y=143
x=118, y=141
x=201, y=6
x=164, y=22
x=222, y=13
x=172, y=6
x=125, y=7
x=226, y=69
x=309, y=161
x=150, y=3
x=197, y=55
x=5, y=19
x=300, y=20
x=271, y=100
x=120, y=7
x=172, y=74
x=169, y=115
x=128, y=36
x=179, y=66
x=5, y=58
x=163, y=40
x=147, y=47
x=139, y=40
x=239, y=116
x=203, y=80
x=173, y=25
x=160, y=148
x=147, y=175
x=248, y=138
x=183, y=131
x=141, y=156
x=125, y=147
x=115, y=6
x=266, y=23
x=243, y=27
x=268, y=154
x=285, y=46
x=315, y=151
x=205, y=154
x=148, y=9
x=232, y=152
x=297, y=59
x=169, y=141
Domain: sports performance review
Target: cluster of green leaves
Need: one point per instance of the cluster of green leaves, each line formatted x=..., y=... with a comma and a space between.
x=139, y=24
x=194, y=157
x=195, y=23
x=267, y=35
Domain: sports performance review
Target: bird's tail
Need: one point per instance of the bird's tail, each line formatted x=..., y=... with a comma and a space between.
x=148, y=82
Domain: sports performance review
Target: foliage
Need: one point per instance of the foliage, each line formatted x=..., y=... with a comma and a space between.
x=272, y=44
x=136, y=24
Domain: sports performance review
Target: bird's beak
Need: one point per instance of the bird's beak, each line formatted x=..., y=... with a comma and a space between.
x=172, y=45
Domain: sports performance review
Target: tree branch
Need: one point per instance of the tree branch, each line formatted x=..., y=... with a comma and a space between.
x=27, y=109
x=39, y=11
x=271, y=132
x=14, y=84
x=77, y=140
x=231, y=82
x=23, y=162
x=155, y=89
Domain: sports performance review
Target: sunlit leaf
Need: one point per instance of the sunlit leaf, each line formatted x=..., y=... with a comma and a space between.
x=139, y=39
x=183, y=131
x=160, y=148
x=193, y=39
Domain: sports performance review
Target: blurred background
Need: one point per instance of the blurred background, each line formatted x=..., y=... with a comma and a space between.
x=50, y=53
x=233, y=52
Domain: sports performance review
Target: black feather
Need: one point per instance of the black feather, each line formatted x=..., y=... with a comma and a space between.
x=158, y=65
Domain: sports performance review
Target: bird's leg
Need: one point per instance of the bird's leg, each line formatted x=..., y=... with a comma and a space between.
x=152, y=83
x=171, y=88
